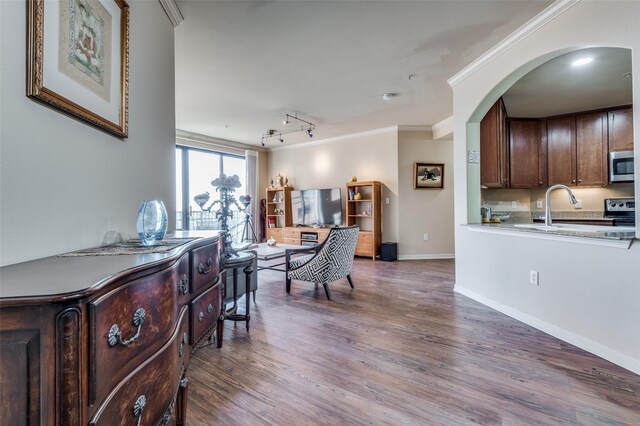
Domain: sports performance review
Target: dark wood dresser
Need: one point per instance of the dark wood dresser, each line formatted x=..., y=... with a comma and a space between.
x=106, y=340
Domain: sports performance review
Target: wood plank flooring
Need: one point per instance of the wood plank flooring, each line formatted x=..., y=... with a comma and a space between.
x=400, y=349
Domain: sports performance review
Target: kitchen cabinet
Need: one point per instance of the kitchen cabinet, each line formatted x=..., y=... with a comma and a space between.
x=526, y=154
x=561, y=147
x=577, y=150
x=494, y=164
x=621, y=129
x=591, y=149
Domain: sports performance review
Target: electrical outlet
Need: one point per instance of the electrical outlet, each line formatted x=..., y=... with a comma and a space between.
x=539, y=204
x=514, y=204
x=578, y=205
x=534, y=277
x=425, y=237
x=386, y=200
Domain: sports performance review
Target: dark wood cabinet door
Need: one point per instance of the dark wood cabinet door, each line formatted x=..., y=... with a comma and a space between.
x=591, y=149
x=561, y=148
x=493, y=147
x=621, y=129
x=525, y=154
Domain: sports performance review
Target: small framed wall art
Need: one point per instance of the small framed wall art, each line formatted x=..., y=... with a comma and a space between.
x=428, y=176
x=78, y=59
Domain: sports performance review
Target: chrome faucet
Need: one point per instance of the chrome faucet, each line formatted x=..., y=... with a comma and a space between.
x=547, y=211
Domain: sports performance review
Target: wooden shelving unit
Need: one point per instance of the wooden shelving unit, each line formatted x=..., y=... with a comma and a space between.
x=366, y=212
x=278, y=211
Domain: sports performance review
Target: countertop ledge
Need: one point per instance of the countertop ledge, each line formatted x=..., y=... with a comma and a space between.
x=608, y=239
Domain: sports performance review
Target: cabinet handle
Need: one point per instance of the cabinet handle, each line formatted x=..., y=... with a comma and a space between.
x=573, y=181
x=115, y=334
x=184, y=285
x=138, y=407
x=209, y=308
x=539, y=183
x=201, y=268
x=579, y=180
x=200, y=316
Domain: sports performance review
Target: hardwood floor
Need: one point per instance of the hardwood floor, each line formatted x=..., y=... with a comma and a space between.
x=402, y=348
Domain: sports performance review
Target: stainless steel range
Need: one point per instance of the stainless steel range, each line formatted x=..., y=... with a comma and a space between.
x=621, y=210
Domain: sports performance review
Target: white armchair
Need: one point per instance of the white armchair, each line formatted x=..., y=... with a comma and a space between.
x=328, y=262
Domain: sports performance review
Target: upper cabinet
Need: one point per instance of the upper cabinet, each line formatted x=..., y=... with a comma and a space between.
x=530, y=153
x=577, y=150
x=621, y=129
x=591, y=149
x=494, y=164
x=527, y=156
x=561, y=148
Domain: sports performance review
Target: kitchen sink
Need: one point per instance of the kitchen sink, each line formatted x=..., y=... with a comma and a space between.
x=575, y=227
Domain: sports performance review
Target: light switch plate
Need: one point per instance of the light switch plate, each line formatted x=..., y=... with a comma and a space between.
x=539, y=204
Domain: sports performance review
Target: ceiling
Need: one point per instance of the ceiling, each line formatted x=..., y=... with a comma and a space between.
x=241, y=66
x=556, y=87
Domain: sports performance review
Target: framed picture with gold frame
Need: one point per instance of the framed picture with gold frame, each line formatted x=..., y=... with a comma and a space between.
x=428, y=176
x=78, y=59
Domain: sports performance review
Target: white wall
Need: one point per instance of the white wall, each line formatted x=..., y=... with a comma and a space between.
x=588, y=295
x=330, y=164
x=386, y=155
x=423, y=211
x=65, y=184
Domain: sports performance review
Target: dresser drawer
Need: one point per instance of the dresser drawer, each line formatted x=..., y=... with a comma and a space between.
x=149, y=395
x=205, y=267
x=131, y=322
x=205, y=311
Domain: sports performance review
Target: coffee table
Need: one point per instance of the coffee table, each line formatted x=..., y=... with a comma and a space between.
x=264, y=253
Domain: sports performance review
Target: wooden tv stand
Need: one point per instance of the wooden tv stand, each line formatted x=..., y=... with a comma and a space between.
x=300, y=235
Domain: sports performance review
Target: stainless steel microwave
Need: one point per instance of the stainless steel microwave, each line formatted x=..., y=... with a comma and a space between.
x=621, y=166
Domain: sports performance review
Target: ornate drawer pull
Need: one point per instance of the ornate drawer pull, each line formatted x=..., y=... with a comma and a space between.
x=209, y=308
x=200, y=316
x=183, y=287
x=138, y=407
x=115, y=334
x=180, y=350
x=201, y=268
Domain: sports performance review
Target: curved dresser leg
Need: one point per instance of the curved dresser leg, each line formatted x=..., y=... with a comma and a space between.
x=181, y=403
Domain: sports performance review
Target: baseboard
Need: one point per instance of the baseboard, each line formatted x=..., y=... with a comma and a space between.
x=595, y=348
x=425, y=256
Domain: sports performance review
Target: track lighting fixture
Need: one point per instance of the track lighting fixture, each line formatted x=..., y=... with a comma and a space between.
x=306, y=126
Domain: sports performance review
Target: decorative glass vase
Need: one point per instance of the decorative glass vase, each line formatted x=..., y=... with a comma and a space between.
x=152, y=221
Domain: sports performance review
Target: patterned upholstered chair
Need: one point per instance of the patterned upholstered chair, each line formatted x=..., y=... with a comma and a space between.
x=328, y=262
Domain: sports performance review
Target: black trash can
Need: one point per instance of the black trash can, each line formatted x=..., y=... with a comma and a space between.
x=389, y=251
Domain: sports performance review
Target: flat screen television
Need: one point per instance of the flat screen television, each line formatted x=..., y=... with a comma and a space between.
x=317, y=207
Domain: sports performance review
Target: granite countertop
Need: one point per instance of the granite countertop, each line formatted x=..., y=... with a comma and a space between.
x=625, y=234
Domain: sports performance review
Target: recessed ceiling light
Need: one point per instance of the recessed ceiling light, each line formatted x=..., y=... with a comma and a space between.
x=582, y=61
x=388, y=96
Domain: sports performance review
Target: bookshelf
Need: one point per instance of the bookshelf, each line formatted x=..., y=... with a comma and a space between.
x=278, y=211
x=365, y=211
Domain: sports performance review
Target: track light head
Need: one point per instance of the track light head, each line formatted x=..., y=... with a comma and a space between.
x=309, y=133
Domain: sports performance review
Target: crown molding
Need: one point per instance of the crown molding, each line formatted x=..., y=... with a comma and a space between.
x=198, y=141
x=404, y=128
x=534, y=24
x=173, y=12
x=390, y=129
